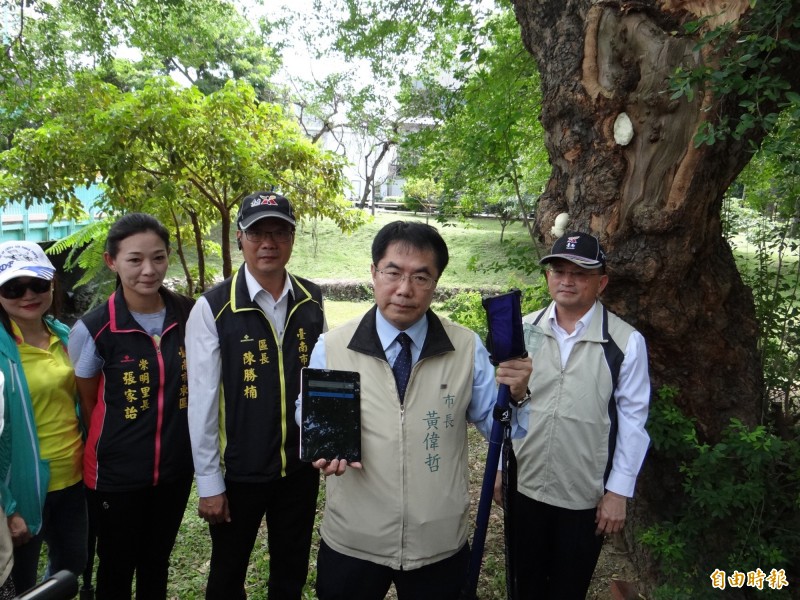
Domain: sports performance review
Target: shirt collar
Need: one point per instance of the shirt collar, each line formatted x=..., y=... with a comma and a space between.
x=17, y=332
x=253, y=287
x=388, y=332
x=582, y=323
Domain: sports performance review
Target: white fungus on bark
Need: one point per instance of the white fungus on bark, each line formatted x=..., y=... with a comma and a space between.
x=560, y=225
x=623, y=129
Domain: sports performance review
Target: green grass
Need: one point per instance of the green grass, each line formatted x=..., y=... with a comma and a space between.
x=337, y=312
x=322, y=251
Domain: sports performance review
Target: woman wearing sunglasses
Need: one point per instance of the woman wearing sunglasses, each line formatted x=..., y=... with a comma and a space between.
x=131, y=371
x=41, y=448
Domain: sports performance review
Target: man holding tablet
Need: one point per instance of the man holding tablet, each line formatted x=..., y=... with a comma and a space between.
x=401, y=514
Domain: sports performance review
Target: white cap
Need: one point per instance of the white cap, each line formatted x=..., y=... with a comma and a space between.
x=24, y=259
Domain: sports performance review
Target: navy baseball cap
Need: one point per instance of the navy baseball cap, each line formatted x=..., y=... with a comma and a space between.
x=580, y=248
x=262, y=205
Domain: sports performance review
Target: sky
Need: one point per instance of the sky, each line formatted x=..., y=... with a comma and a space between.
x=296, y=57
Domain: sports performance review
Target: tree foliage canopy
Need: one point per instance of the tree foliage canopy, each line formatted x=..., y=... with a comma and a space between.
x=173, y=152
x=49, y=43
x=74, y=113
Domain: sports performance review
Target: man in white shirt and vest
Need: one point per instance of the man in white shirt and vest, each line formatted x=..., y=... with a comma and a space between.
x=585, y=441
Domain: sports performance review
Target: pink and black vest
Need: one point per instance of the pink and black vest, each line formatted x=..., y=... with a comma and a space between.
x=139, y=434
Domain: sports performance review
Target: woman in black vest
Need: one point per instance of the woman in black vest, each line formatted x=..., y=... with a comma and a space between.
x=130, y=368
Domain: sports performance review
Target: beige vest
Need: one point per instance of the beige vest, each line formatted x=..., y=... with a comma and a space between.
x=408, y=506
x=562, y=459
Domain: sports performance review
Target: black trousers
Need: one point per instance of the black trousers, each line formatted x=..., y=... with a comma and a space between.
x=136, y=531
x=290, y=504
x=64, y=526
x=342, y=577
x=555, y=550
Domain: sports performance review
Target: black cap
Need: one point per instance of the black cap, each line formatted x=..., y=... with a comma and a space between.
x=262, y=205
x=580, y=248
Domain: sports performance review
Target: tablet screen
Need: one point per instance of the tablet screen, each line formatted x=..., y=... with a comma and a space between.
x=330, y=424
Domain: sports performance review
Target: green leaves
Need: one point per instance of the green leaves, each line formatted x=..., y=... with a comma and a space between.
x=205, y=42
x=739, y=505
x=486, y=144
x=750, y=64
x=173, y=152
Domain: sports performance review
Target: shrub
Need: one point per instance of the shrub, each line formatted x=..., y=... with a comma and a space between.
x=466, y=308
x=739, y=511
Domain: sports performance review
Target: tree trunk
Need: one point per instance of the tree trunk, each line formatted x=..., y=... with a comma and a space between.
x=530, y=226
x=225, y=236
x=371, y=170
x=655, y=203
x=181, y=256
x=201, y=255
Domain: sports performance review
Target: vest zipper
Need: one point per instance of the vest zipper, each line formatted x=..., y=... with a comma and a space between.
x=403, y=480
x=282, y=399
x=160, y=408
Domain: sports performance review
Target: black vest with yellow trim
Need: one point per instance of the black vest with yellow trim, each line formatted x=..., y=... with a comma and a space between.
x=139, y=434
x=261, y=377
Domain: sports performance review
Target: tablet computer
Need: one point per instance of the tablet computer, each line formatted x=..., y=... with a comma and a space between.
x=330, y=423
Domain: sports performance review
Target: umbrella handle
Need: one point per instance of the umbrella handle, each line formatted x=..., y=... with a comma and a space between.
x=502, y=416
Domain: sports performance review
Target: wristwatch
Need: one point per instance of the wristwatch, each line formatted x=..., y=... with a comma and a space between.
x=522, y=401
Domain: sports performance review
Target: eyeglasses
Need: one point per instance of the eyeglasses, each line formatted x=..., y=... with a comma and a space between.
x=16, y=288
x=577, y=276
x=418, y=280
x=280, y=236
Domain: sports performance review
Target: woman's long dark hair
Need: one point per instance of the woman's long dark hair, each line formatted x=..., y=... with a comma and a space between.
x=131, y=224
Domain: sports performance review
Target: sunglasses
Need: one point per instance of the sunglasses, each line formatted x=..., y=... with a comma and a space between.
x=14, y=289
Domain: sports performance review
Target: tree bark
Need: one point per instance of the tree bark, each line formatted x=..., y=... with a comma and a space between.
x=179, y=242
x=201, y=255
x=655, y=203
x=225, y=223
x=371, y=170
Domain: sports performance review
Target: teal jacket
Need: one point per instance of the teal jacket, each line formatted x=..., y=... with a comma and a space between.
x=24, y=475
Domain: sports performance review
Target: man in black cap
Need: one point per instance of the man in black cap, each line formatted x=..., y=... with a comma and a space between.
x=589, y=395
x=246, y=341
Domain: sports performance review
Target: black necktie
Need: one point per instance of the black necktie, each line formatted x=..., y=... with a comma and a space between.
x=402, y=365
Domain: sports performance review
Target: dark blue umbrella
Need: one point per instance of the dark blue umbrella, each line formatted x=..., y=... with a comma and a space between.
x=504, y=342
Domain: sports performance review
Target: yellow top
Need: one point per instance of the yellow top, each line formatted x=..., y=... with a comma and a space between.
x=51, y=383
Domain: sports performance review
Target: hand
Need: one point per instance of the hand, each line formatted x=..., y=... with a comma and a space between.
x=515, y=374
x=498, y=489
x=610, y=516
x=20, y=534
x=214, y=509
x=337, y=466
